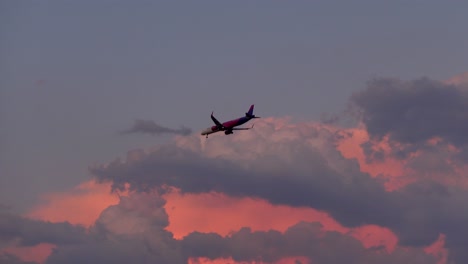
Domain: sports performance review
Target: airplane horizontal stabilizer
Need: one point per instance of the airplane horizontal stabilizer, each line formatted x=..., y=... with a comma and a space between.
x=242, y=128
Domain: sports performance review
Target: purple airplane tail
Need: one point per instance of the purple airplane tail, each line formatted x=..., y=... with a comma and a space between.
x=250, y=112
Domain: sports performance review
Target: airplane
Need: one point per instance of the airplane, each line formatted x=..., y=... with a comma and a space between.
x=229, y=126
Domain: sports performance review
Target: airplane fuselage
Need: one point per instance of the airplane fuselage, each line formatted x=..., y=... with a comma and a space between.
x=228, y=124
x=236, y=122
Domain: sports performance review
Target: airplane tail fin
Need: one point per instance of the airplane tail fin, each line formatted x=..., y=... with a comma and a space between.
x=250, y=112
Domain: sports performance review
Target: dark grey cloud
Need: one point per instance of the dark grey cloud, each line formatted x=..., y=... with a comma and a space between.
x=27, y=232
x=311, y=177
x=433, y=160
x=409, y=114
x=6, y=258
x=151, y=248
x=372, y=154
x=414, y=111
x=303, y=239
x=151, y=127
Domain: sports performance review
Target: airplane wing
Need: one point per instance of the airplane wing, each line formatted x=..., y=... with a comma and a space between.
x=218, y=124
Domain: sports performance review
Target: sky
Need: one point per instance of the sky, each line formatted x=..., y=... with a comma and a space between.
x=364, y=108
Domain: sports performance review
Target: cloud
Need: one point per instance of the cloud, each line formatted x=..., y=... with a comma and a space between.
x=15, y=229
x=459, y=79
x=131, y=231
x=414, y=111
x=205, y=213
x=342, y=173
x=37, y=253
x=151, y=127
x=300, y=168
x=412, y=115
x=80, y=205
x=288, y=171
x=33, y=240
x=424, y=123
x=134, y=230
x=6, y=258
x=219, y=213
x=301, y=239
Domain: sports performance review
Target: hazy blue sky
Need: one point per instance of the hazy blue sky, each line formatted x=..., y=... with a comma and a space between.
x=74, y=73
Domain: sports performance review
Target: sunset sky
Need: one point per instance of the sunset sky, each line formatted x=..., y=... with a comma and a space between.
x=361, y=154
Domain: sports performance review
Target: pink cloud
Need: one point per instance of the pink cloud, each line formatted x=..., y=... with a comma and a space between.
x=80, y=205
x=459, y=79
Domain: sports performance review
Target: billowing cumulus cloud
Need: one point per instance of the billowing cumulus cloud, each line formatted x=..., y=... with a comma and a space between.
x=406, y=135
x=152, y=128
x=289, y=171
x=134, y=230
x=298, y=165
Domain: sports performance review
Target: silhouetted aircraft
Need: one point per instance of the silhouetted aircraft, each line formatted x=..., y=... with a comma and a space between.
x=229, y=126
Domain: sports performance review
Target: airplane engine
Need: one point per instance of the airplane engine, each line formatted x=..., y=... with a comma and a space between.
x=227, y=132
